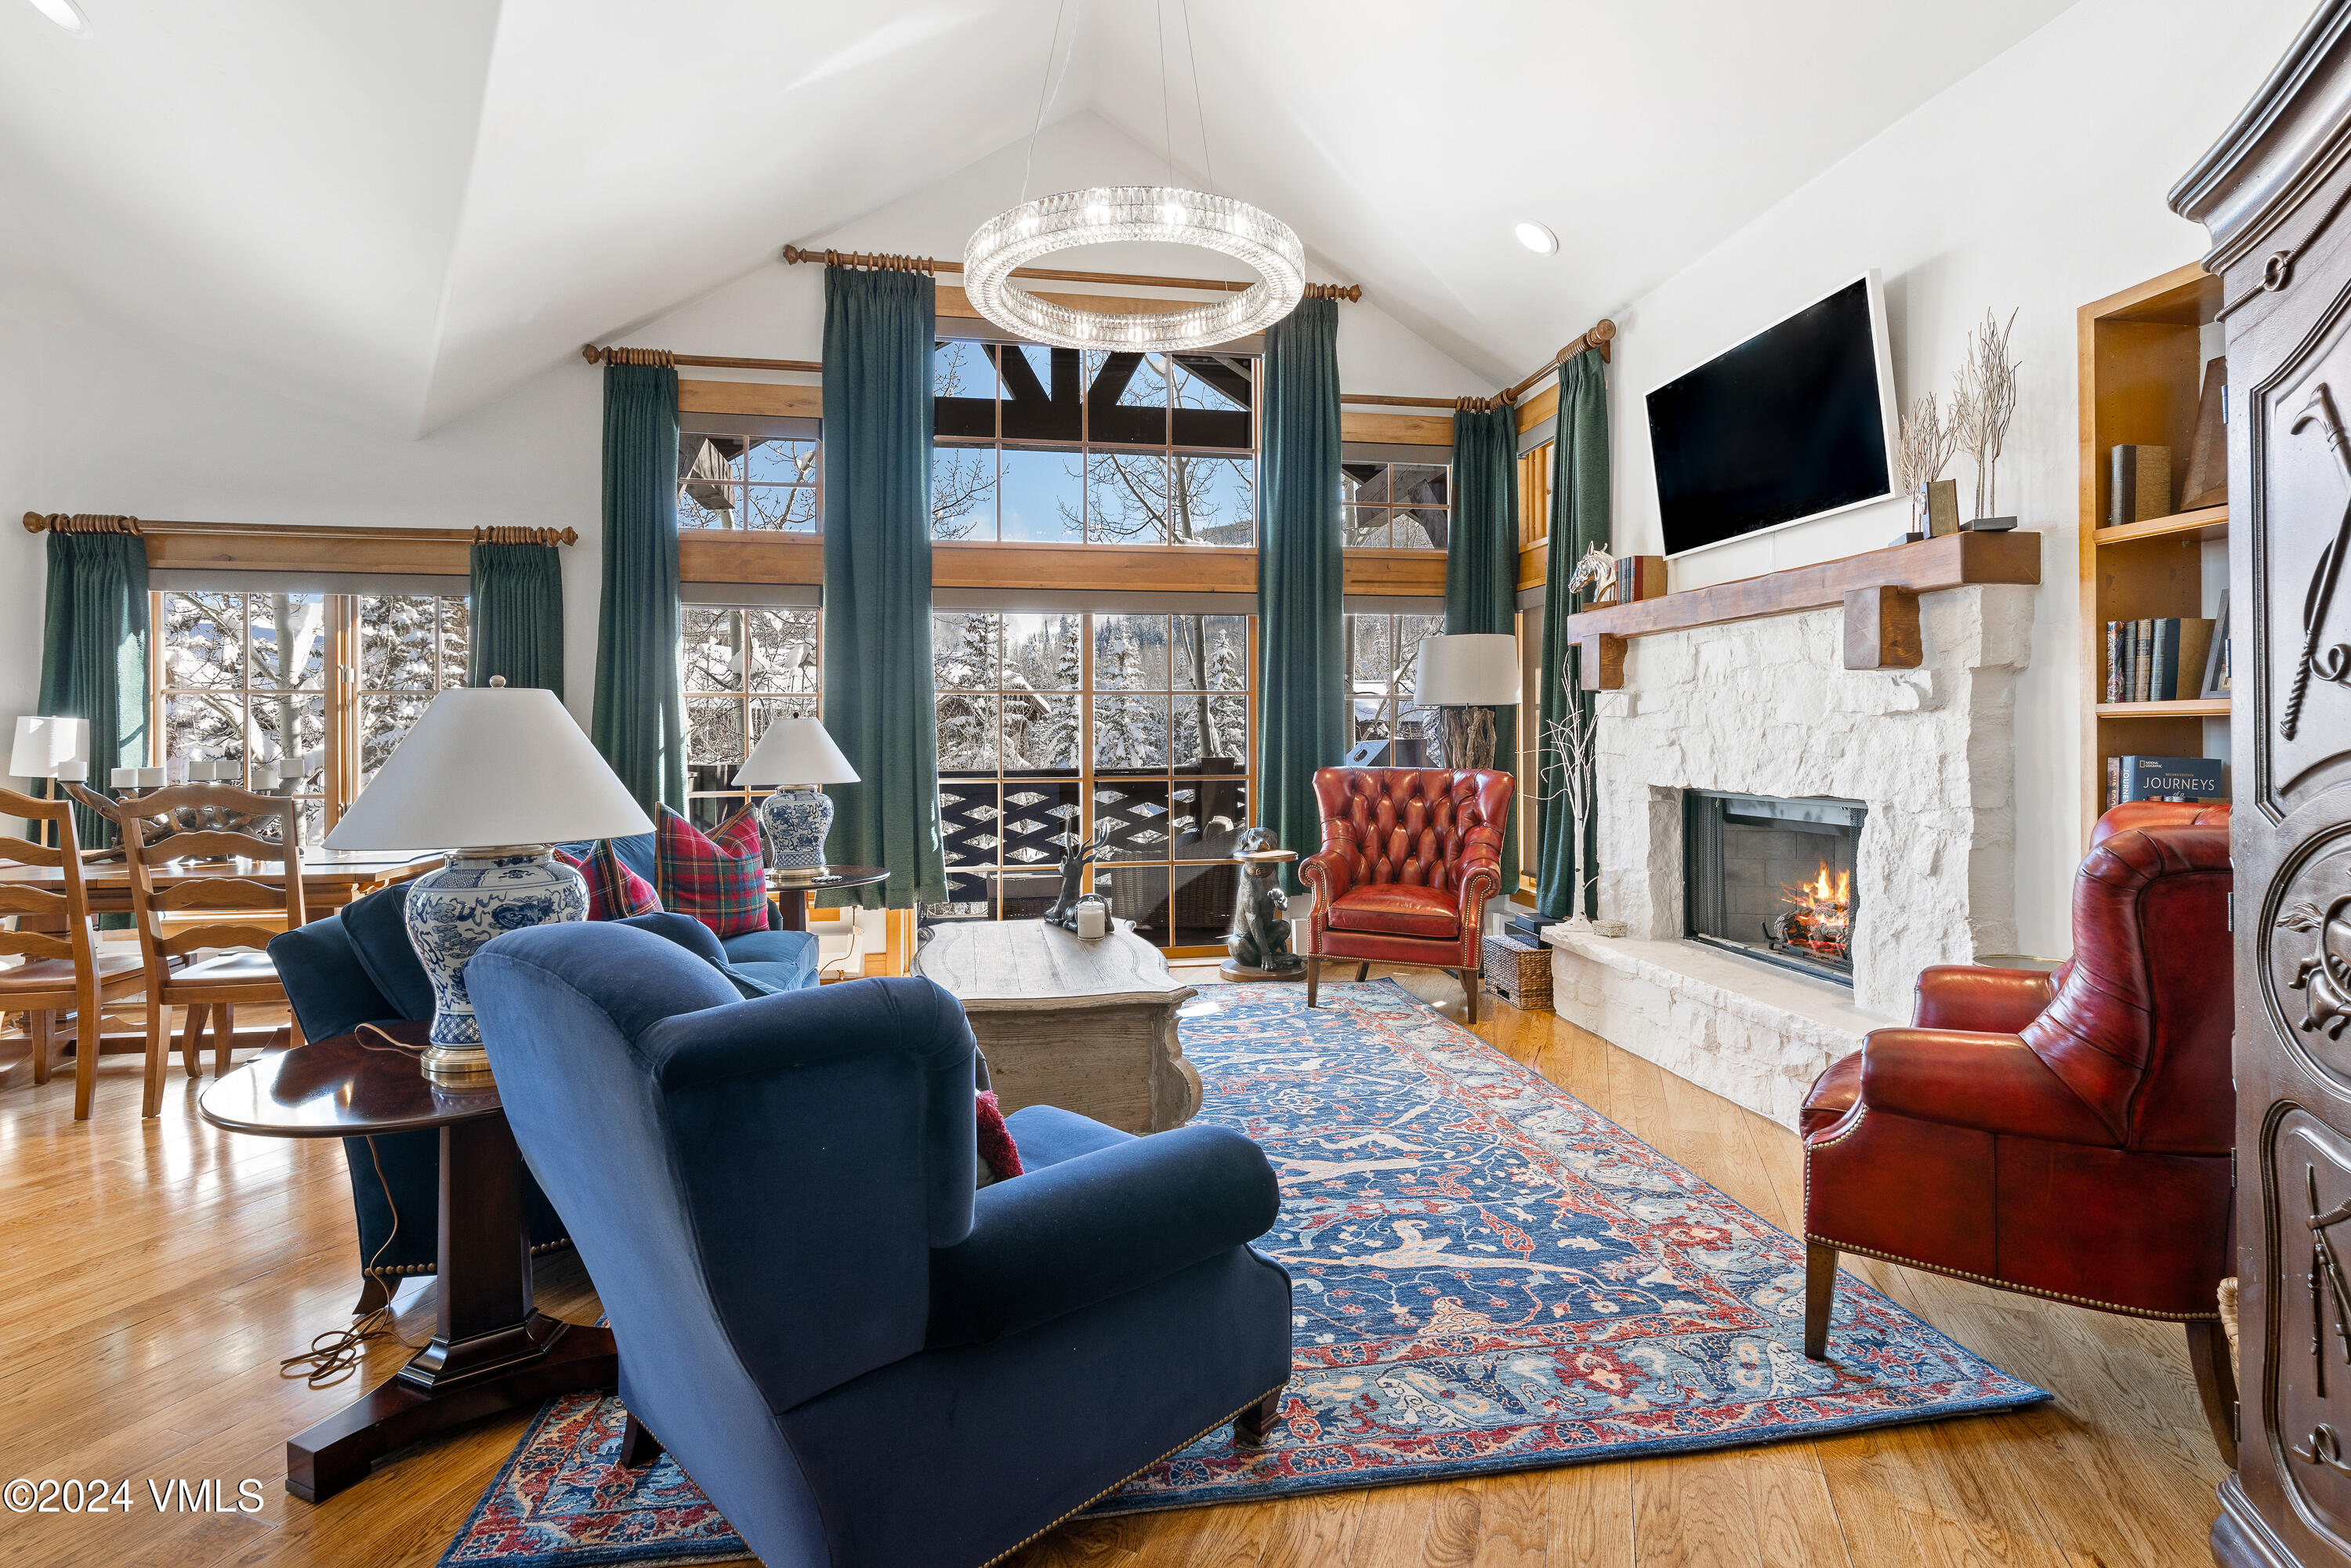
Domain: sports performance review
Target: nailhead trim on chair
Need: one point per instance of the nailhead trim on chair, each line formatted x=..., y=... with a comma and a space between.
x=1128, y=1476
x=1863, y=1107
x=403, y=1271
x=2019, y=1290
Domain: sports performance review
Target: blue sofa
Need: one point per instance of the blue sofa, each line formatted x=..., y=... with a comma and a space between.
x=357, y=966
x=860, y=1358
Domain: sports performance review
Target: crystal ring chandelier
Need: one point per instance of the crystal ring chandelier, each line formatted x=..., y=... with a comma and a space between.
x=1114, y=214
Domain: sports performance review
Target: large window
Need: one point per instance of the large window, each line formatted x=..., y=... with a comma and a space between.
x=1050, y=724
x=1060, y=446
x=1396, y=505
x=1384, y=654
x=745, y=666
x=325, y=686
x=764, y=483
x=241, y=678
x=411, y=646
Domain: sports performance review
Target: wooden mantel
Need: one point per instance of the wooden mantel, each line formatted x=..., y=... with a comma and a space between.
x=1879, y=590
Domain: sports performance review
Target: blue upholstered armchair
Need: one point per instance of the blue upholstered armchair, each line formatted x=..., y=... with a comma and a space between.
x=357, y=965
x=858, y=1357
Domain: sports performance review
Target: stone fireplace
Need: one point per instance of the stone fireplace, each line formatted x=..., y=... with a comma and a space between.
x=1914, y=768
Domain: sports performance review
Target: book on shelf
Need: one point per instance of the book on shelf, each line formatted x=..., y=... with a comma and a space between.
x=2167, y=779
x=2114, y=782
x=2163, y=660
x=2139, y=486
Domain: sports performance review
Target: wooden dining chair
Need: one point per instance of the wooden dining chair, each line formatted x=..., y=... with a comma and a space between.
x=63, y=969
x=179, y=890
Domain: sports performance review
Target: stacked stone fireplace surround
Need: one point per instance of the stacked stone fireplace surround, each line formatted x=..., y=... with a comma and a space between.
x=1765, y=706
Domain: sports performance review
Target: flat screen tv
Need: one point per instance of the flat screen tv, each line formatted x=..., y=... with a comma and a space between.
x=1795, y=423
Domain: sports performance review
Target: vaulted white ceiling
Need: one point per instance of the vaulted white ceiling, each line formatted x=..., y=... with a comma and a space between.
x=406, y=208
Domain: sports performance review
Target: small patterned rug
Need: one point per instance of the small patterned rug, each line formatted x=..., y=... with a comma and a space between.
x=1488, y=1276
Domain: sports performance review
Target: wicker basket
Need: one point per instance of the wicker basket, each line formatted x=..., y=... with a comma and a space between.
x=1518, y=972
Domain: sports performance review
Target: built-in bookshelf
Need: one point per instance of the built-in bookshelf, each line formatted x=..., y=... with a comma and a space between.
x=2142, y=385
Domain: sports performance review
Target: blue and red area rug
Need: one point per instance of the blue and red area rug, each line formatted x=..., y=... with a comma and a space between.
x=1488, y=1276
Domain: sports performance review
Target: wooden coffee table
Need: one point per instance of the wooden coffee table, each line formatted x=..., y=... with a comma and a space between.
x=492, y=1350
x=1087, y=1026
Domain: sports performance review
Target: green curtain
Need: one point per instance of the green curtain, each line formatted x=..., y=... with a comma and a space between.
x=94, y=655
x=639, y=718
x=1481, y=564
x=518, y=613
x=1303, y=682
x=878, y=702
x=1579, y=520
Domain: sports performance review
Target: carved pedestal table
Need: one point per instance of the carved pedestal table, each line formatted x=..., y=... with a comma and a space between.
x=1087, y=1026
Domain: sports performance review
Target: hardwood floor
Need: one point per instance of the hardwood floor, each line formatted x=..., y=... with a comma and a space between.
x=155, y=1273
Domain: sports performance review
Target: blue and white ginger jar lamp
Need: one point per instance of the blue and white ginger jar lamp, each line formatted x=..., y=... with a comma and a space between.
x=796, y=756
x=504, y=772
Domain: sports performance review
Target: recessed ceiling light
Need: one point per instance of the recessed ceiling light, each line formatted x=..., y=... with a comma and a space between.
x=1534, y=237
x=66, y=14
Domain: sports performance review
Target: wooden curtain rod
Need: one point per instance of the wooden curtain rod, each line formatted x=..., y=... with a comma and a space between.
x=496, y=535
x=35, y=523
x=81, y=523
x=1599, y=337
x=794, y=256
x=594, y=355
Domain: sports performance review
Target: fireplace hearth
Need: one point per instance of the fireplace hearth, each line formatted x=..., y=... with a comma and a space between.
x=1772, y=878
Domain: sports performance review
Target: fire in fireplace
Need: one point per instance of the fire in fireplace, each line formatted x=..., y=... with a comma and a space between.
x=1772, y=878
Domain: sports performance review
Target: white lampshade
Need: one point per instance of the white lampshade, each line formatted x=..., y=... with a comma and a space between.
x=795, y=751
x=1471, y=670
x=490, y=766
x=43, y=742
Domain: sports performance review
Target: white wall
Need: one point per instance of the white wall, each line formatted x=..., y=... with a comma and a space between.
x=2034, y=185
x=109, y=425
x=22, y=572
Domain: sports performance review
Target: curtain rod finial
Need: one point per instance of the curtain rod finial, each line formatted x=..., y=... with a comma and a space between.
x=590, y=352
x=35, y=523
x=1602, y=331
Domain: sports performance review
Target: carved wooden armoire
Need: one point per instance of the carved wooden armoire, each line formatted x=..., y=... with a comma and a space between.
x=2274, y=196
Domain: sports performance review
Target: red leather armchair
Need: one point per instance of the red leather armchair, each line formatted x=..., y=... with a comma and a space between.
x=1409, y=857
x=2067, y=1135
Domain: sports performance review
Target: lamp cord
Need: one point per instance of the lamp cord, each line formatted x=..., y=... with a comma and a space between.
x=337, y=1353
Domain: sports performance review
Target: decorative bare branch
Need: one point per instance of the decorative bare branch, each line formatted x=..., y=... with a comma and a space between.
x=1927, y=446
x=1983, y=400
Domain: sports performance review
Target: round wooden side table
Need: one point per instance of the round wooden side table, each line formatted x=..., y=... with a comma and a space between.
x=492, y=1350
x=795, y=908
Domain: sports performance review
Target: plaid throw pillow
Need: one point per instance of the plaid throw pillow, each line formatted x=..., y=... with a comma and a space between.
x=615, y=892
x=720, y=881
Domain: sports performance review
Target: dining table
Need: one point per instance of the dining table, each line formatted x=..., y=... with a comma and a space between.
x=330, y=879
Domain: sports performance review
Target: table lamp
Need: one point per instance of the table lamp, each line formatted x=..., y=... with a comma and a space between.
x=1468, y=676
x=504, y=772
x=796, y=756
x=50, y=748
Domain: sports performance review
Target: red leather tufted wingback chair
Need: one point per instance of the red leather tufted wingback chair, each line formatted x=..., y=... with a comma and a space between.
x=1409, y=857
x=2068, y=1134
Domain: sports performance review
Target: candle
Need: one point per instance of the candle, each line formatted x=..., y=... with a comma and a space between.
x=75, y=770
x=150, y=778
x=123, y=779
x=264, y=776
x=1093, y=921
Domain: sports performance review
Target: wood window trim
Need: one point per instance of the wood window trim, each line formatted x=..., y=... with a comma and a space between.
x=711, y=556
x=787, y=400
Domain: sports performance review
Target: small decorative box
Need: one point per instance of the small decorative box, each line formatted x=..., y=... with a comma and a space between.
x=1518, y=972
